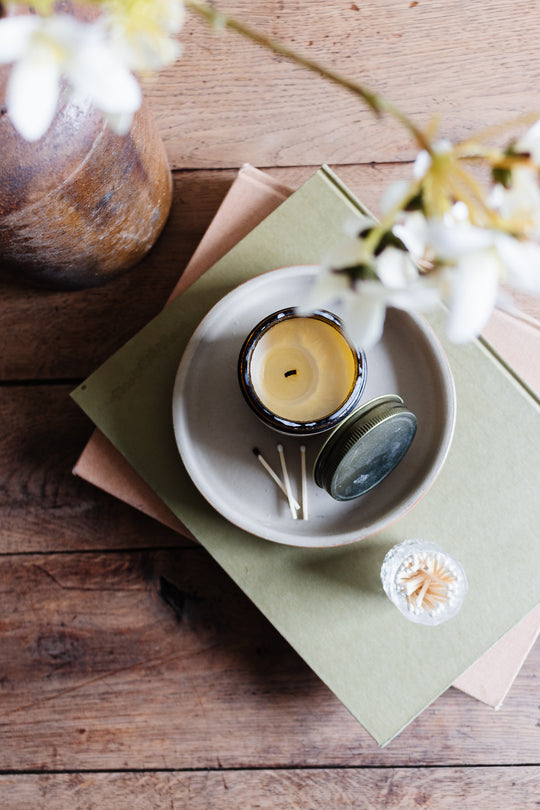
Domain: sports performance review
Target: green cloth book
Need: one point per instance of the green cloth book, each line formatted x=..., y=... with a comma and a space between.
x=328, y=603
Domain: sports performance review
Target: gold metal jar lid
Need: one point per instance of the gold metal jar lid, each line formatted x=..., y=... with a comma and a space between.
x=365, y=447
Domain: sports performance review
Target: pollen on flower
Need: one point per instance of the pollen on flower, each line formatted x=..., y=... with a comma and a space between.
x=143, y=30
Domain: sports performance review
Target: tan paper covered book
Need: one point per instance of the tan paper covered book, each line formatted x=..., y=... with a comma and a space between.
x=251, y=198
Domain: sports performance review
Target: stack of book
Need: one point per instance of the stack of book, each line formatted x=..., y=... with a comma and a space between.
x=483, y=508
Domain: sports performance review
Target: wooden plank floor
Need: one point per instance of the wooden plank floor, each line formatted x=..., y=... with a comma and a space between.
x=124, y=648
x=133, y=672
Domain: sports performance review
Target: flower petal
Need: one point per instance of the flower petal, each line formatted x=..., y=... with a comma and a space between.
x=474, y=284
x=98, y=74
x=422, y=165
x=413, y=231
x=119, y=122
x=15, y=33
x=519, y=204
x=393, y=195
x=450, y=242
x=327, y=289
x=32, y=96
x=395, y=268
x=364, y=319
x=530, y=142
x=422, y=296
x=522, y=263
x=141, y=31
x=355, y=225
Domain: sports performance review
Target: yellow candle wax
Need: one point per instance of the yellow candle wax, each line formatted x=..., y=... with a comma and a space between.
x=303, y=369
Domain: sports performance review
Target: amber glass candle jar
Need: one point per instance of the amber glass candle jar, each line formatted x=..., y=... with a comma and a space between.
x=300, y=374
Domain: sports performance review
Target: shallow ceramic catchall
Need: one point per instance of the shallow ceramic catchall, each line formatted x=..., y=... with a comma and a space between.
x=216, y=431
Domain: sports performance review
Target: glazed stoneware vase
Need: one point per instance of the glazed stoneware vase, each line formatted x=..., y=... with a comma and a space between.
x=82, y=204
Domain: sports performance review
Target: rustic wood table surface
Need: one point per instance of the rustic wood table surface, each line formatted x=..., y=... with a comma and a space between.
x=120, y=684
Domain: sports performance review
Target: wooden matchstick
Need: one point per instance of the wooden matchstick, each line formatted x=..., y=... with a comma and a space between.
x=275, y=478
x=285, y=472
x=304, y=482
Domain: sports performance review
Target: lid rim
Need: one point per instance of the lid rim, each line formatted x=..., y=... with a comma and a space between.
x=343, y=439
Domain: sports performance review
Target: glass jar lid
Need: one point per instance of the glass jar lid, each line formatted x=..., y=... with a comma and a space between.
x=365, y=447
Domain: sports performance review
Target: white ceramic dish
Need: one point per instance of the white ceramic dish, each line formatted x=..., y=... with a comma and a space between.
x=216, y=431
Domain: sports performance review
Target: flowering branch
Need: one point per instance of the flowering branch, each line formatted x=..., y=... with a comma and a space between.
x=95, y=54
x=443, y=235
x=376, y=102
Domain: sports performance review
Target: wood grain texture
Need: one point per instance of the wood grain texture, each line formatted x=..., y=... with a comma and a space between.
x=43, y=507
x=155, y=659
x=356, y=789
x=68, y=335
x=50, y=335
x=133, y=672
x=226, y=101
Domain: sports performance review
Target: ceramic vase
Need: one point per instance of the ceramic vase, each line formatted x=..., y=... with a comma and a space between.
x=82, y=204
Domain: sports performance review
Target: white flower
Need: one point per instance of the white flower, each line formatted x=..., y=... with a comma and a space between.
x=393, y=195
x=520, y=203
x=450, y=241
x=404, y=287
x=424, y=161
x=412, y=231
x=521, y=262
x=458, y=213
x=422, y=164
x=462, y=265
x=530, y=142
x=328, y=289
x=471, y=293
x=469, y=274
x=46, y=48
x=355, y=225
x=364, y=314
x=365, y=306
x=141, y=31
x=361, y=307
x=362, y=304
x=37, y=72
x=396, y=269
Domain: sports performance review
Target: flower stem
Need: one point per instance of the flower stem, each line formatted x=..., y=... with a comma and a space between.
x=473, y=147
x=371, y=241
x=377, y=103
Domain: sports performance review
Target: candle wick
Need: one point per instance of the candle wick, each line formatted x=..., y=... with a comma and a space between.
x=290, y=373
